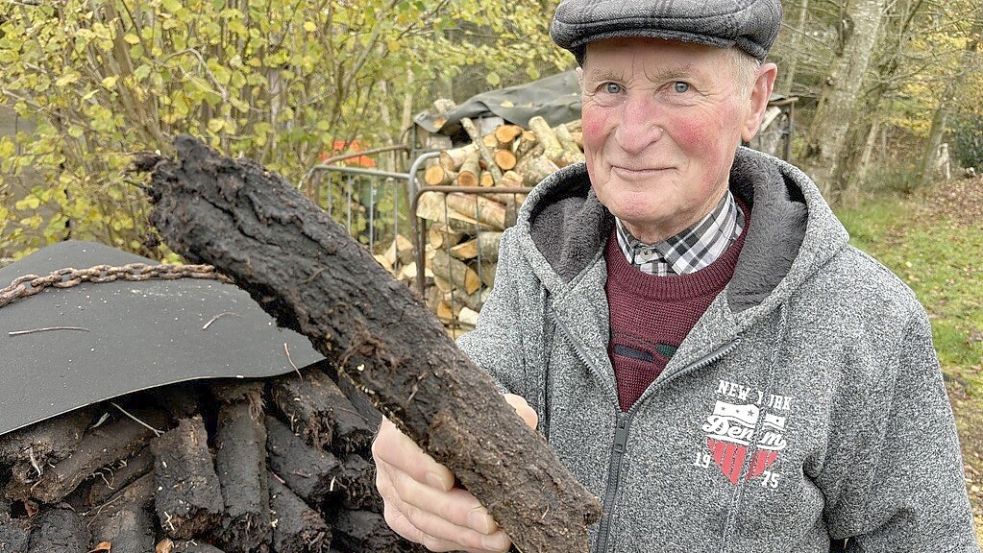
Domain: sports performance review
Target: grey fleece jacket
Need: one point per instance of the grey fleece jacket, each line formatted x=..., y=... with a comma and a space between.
x=805, y=405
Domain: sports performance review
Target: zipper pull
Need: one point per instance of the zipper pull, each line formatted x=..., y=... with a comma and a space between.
x=621, y=434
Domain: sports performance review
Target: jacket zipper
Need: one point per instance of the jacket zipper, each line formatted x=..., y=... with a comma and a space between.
x=578, y=350
x=621, y=443
x=703, y=362
x=623, y=422
x=614, y=478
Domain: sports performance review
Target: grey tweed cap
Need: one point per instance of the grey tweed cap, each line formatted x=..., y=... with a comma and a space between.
x=749, y=25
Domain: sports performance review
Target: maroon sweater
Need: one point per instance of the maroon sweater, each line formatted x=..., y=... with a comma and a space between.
x=651, y=315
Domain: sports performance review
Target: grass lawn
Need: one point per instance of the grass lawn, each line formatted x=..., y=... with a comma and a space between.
x=934, y=242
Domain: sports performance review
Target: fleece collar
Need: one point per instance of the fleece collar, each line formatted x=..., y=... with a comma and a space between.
x=792, y=232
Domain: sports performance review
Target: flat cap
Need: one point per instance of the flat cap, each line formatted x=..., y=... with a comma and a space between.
x=749, y=25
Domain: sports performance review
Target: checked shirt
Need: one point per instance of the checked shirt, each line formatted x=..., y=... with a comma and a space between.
x=690, y=250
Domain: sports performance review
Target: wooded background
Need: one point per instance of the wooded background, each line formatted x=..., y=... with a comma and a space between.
x=882, y=84
x=883, y=87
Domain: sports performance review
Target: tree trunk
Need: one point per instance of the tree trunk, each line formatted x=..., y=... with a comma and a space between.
x=848, y=169
x=941, y=117
x=940, y=120
x=792, y=48
x=837, y=105
x=852, y=168
x=875, y=129
x=304, y=268
x=388, y=161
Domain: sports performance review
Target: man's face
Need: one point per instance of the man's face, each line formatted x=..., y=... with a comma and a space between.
x=661, y=123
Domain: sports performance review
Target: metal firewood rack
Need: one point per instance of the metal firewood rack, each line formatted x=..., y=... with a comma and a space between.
x=350, y=183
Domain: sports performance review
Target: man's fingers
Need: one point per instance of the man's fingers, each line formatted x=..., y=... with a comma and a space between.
x=402, y=526
x=441, y=521
x=522, y=408
x=395, y=448
x=456, y=506
x=421, y=503
x=439, y=534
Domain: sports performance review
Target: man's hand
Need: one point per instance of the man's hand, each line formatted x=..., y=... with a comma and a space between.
x=421, y=502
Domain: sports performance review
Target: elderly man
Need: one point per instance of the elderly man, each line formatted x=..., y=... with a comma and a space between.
x=691, y=330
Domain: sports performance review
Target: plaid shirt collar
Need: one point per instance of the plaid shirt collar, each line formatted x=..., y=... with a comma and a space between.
x=690, y=250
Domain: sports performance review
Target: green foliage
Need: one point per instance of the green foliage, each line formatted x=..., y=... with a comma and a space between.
x=279, y=82
x=967, y=139
x=928, y=63
x=514, y=35
x=919, y=63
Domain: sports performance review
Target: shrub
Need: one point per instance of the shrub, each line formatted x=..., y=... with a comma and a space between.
x=967, y=140
x=277, y=81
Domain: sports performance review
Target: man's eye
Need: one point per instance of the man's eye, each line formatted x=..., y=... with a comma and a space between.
x=611, y=88
x=680, y=87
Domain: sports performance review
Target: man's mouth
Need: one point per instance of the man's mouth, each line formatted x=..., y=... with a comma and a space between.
x=635, y=172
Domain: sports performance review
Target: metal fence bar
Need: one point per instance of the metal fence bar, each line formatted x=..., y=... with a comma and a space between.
x=410, y=178
x=372, y=201
x=351, y=181
x=348, y=203
x=330, y=200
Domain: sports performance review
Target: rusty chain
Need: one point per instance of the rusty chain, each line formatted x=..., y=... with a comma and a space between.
x=29, y=285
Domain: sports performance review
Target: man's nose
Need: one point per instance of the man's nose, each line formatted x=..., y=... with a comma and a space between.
x=640, y=123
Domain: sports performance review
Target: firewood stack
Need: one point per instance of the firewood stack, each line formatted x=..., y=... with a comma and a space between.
x=464, y=228
x=280, y=465
x=509, y=157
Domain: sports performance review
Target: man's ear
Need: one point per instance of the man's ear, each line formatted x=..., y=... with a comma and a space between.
x=764, y=83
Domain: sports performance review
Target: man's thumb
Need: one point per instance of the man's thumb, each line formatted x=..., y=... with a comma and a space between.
x=522, y=408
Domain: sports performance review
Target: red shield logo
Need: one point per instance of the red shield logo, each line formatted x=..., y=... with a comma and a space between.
x=763, y=459
x=729, y=457
x=731, y=432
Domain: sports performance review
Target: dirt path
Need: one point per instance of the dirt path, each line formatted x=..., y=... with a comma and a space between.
x=961, y=201
x=969, y=420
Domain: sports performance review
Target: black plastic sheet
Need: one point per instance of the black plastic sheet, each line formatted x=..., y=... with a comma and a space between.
x=137, y=335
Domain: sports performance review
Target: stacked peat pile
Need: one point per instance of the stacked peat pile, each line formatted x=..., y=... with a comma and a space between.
x=280, y=465
x=465, y=227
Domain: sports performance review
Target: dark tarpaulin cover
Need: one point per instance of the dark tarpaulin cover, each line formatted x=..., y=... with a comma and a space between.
x=555, y=98
x=139, y=335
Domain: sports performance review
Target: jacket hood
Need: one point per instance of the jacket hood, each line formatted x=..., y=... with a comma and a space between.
x=792, y=232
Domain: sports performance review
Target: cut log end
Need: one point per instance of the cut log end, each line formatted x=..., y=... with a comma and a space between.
x=214, y=464
x=59, y=530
